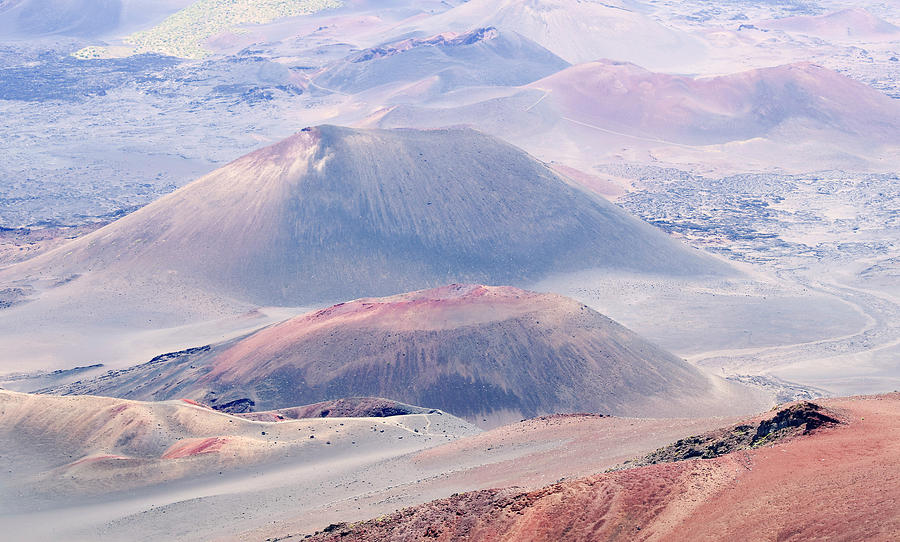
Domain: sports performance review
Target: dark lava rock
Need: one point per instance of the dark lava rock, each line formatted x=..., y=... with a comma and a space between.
x=801, y=418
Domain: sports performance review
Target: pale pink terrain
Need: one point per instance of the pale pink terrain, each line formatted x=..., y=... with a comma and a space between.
x=87, y=446
x=852, y=23
x=137, y=469
x=832, y=483
x=795, y=117
x=695, y=111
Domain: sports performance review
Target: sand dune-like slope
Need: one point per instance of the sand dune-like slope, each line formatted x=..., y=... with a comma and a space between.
x=578, y=31
x=837, y=483
x=337, y=213
x=481, y=57
x=52, y=448
x=528, y=454
x=89, y=468
x=487, y=354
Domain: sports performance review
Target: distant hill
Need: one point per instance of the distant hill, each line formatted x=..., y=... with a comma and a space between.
x=480, y=57
x=628, y=100
x=797, y=116
x=183, y=33
x=734, y=107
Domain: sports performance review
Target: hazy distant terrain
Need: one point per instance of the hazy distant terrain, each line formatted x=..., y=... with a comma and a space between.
x=192, y=115
x=328, y=213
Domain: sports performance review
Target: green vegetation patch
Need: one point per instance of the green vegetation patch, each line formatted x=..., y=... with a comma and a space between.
x=90, y=52
x=183, y=33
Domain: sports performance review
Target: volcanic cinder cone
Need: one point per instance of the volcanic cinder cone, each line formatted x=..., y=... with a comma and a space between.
x=487, y=354
x=337, y=213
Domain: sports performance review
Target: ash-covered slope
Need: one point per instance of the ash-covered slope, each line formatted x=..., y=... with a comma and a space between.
x=484, y=353
x=480, y=57
x=337, y=213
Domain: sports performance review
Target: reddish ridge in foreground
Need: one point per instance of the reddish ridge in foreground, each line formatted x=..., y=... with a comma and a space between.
x=835, y=483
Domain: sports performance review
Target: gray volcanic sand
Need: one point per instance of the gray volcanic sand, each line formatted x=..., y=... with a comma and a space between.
x=335, y=213
x=801, y=331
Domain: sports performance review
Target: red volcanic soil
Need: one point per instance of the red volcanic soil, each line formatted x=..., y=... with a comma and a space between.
x=475, y=351
x=435, y=309
x=490, y=354
x=835, y=483
x=579, y=445
x=197, y=446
